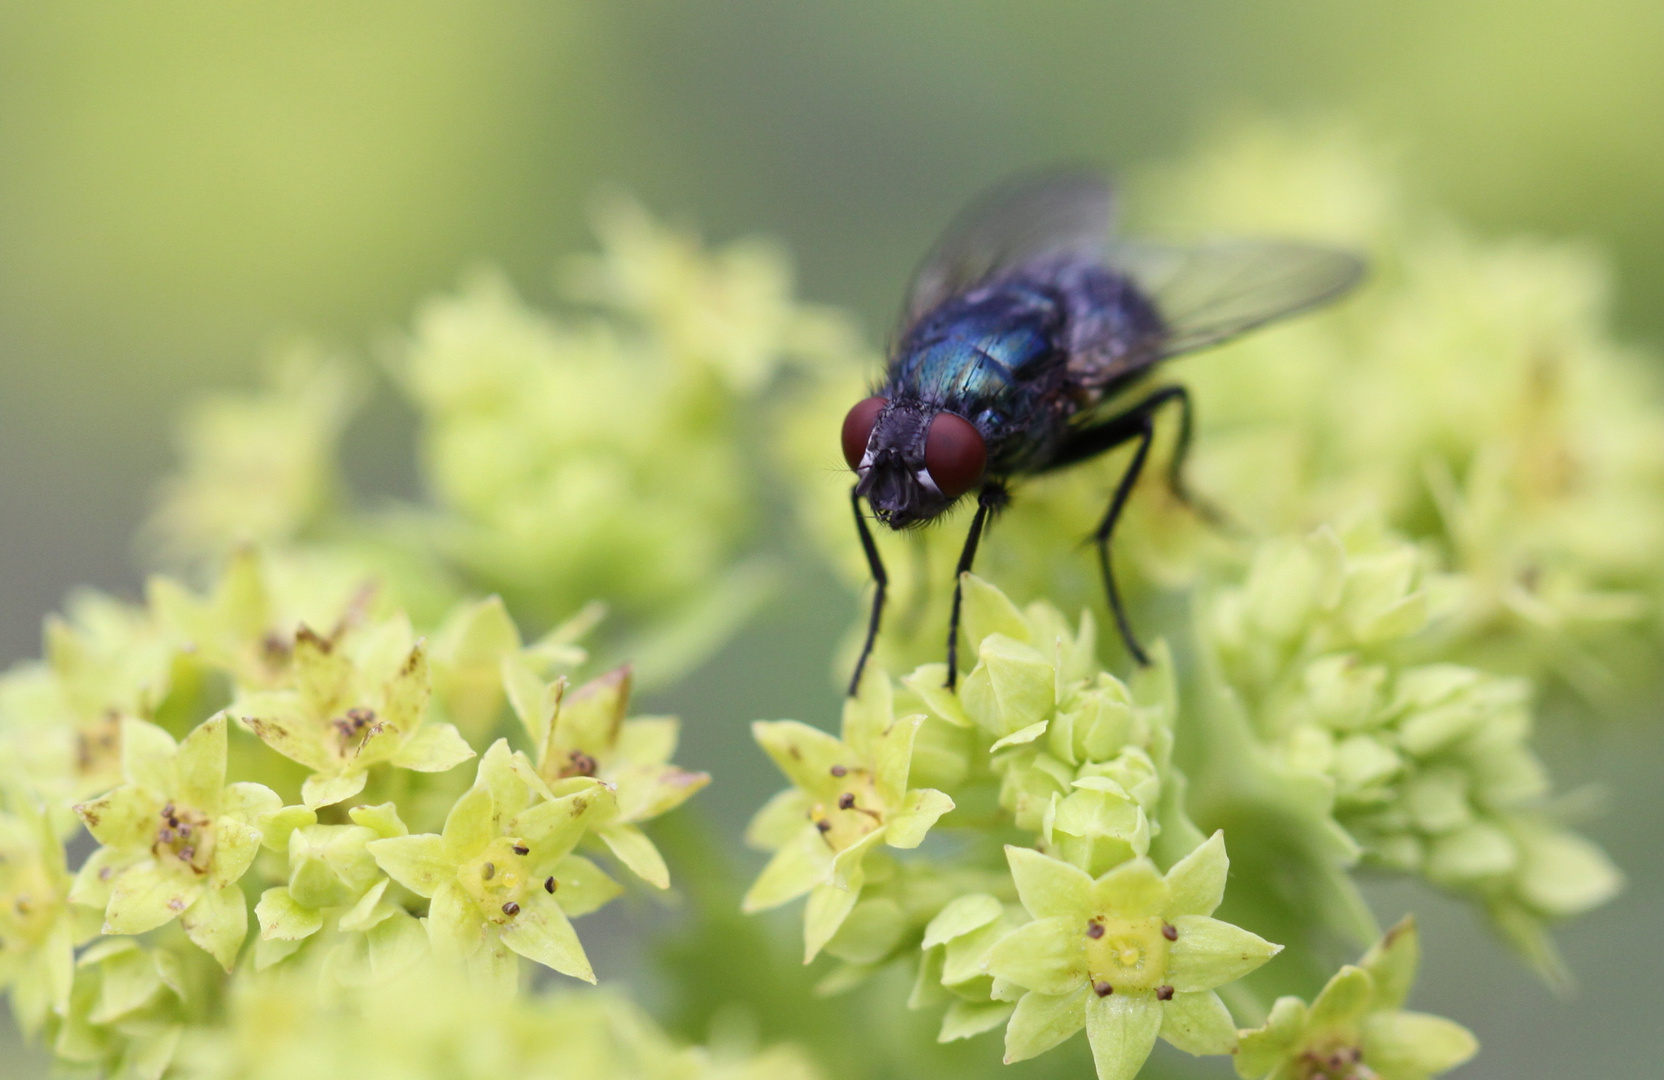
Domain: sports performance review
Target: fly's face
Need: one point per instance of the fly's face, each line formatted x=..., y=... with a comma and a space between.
x=914, y=460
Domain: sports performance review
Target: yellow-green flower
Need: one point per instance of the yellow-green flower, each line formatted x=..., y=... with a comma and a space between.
x=585, y=733
x=1131, y=956
x=848, y=796
x=175, y=839
x=127, y=1012
x=354, y=704
x=501, y=878
x=1357, y=1028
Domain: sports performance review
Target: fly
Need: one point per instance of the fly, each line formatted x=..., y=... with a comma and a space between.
x=1025, y=333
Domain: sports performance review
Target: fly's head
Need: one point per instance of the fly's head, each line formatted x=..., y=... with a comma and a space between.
x=914, y=459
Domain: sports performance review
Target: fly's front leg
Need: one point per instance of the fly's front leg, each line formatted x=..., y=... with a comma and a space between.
x=991, y=499
x=881, y=582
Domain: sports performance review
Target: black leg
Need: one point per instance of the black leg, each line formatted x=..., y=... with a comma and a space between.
x=990, y=499
x=1145, y=432
x=881, y=581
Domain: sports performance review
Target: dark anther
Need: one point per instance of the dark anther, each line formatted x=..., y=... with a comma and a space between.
x=846, y=801
x=489, y=872
x=1102, y=989
x=165, y=836
x=360, y=716
x=549, y=885
x=185, y=831
x=1094, y=930
x=173, y=821
x=839, y=770
x=522, y=849
x=511, y=908
x=1169, y=931
x=1164, y=993
x=167, y=811
x=824, y=826
x=187, y=853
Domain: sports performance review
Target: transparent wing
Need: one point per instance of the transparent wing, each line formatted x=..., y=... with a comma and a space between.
x=1212, y=292
x=1024, y=218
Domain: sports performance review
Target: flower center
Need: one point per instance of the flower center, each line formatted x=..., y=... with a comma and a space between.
x=498, y=879
x=28, y=902
x=1338, y=1061
x=1126, y=954
x=856, y=812
x=184, y=835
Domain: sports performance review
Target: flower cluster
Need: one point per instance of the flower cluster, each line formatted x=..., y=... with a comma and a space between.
x=245, y=757
x=1077, y=927
x=1325, y=648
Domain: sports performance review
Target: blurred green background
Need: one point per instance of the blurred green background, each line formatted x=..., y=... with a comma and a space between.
x=181, y=184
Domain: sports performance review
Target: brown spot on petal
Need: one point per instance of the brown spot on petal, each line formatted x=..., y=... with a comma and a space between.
x=1164, y=993
x=176, y=905
x=1094, y=930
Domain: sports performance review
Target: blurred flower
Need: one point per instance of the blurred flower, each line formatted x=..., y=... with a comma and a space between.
x=355, y=702
x=38, y=928
x=585, y=733
x=257, y=468
x=1357, y=1029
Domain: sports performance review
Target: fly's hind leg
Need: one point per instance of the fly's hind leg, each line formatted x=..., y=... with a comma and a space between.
x=881, y=582
x=1135, y=424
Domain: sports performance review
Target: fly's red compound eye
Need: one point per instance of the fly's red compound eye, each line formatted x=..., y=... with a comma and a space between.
x=858, y=428
x=954, y=454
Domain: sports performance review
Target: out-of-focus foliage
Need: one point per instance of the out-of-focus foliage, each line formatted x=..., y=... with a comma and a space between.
x=434, y=1024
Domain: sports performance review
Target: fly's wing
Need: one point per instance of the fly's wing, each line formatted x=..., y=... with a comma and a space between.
x=1032, y=216
x=1210, y=293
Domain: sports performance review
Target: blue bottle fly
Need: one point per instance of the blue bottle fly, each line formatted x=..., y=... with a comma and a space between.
x=1027, y=345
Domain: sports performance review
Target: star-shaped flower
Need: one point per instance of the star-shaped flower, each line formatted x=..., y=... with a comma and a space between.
x=1130, y=956
x=176, y=839
x=584, y=733
x=501, y=878
x=1357, y=1028
x=850, y=795
x=354, y=703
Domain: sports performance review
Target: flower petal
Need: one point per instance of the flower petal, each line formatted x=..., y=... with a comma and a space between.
x=805, y=754
x=828, y=907
x=542, y=932
x=1196, y=882
x=1132, y=890
x=145, y=897
x=1415, y=1044
x=434, y=748
x=1122, y=1029
x=1392, y=963
x=1343, y=1000
x=922, y=809
x=1047, y=955
x=470, y=824
x=962, y=915
x=635, y=851
x=966, y=1018
x=1049, y=886
x=418, y=862
x=1210, y=953
x=795, y=869
x=1198, y=1024
x=322, y=790
x=1264, y=1048
x=199, y=766
x=1041, y=1021
x=147, y=755
x=235, y=846
x=581, y=886
x=217, y=922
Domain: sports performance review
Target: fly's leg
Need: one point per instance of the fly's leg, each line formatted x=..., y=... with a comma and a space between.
x=992, y=497
x=1176, y=481
x=881, y=581
x=1145, y=431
